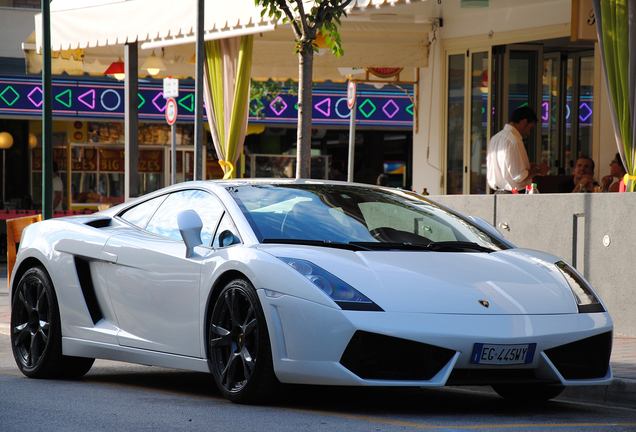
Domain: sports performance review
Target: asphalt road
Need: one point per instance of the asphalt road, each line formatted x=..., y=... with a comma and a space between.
x=123, y=397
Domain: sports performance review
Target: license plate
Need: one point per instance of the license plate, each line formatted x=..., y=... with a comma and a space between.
x=503, y=354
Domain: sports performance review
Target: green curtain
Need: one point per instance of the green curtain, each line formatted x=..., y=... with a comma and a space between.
x=228, y=66
x=616, y=33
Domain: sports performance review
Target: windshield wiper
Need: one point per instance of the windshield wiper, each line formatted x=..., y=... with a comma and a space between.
x=323, y=243
x=457, y=246
x=390, y=246
x=447, y=246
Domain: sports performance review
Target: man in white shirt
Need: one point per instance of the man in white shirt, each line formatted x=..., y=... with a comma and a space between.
x=508, y=166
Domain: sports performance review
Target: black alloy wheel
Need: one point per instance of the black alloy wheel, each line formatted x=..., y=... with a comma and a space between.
x=239, y=347
x=36, y=337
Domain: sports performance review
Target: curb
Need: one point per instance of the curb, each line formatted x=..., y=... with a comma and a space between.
x=620, y=393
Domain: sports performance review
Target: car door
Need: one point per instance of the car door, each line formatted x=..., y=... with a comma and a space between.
x=154, y=288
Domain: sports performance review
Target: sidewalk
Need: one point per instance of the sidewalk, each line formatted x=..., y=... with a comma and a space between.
x=622, y=391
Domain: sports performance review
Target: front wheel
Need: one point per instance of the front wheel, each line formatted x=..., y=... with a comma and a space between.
x=36, y=336
x=528, y=393
x=239, y=347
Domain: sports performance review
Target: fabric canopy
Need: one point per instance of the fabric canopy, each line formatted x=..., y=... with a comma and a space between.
x=98, y=29
x=227, y=89
x=617, y=37
x=102, y=23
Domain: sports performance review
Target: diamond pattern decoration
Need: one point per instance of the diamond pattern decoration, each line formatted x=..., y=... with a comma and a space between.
x=390, y=105
x=31, y=94
x=276, y=103
x=362, y=110
x=16, y=95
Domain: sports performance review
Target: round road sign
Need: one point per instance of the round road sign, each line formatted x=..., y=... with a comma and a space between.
x=351, y=94
x=171, y=111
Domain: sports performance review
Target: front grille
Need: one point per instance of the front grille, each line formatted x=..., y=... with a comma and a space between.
x=380, y=357
x=584, y=359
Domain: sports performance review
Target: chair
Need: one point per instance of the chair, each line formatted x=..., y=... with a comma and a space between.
x=14, y=235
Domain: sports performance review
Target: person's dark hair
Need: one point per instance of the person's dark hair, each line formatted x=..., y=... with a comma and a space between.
x=620, y=162
x=55, y=167
x=523, y=113
x=383, y=180
x=590, y=159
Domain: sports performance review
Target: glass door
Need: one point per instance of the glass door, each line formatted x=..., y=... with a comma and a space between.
x=567, y=109
x=479, y=104
x=455, y=114
x=467, y=121
x=521, y=77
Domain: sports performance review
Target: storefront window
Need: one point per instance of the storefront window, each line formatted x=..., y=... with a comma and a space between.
x=478, y=122
x=585, y=104
x=455, y=133
x=550, y=112
x=97, y=158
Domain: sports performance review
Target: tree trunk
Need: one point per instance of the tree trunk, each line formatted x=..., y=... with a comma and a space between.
x=305, y=76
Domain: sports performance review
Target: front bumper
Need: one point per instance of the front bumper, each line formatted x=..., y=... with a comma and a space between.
x=309, y=342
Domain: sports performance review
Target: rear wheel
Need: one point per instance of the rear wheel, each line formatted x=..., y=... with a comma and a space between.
x=239, y=346
x=528, y=393
x=36, y=336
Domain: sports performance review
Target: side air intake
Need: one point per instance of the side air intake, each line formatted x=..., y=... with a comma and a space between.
x=88, y=290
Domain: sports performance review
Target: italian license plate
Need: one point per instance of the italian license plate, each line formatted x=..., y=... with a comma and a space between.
x=503, y=354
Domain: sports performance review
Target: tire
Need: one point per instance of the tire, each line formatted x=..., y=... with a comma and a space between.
x=238, y=345
x=528, y=393
x=36, y=336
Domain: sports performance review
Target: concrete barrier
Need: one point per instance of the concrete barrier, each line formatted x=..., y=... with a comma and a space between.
x=593, y=232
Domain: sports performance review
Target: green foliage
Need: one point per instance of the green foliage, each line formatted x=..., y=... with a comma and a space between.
x=323, y=18
x=267, y=91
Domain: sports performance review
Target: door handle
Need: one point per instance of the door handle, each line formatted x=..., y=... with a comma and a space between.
x=107, y=256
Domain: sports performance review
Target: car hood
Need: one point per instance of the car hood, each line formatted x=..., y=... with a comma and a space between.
x=515, y=281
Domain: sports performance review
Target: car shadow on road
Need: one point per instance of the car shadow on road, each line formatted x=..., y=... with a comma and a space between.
x=362, y=401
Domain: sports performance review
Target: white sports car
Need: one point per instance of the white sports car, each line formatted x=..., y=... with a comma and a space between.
x=303, y=281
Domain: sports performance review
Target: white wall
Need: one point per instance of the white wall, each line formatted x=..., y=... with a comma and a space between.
x=516, y=16
x=15, y=27
x=427, y=157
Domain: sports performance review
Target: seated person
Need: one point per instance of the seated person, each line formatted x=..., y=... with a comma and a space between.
x=583, y=175
x=616, y=170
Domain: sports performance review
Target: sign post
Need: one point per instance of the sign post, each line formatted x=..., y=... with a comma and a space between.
x=171, y=91
x=351, y=103
x=171, y=118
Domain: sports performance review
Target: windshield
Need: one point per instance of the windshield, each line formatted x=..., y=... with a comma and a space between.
x=355, y=215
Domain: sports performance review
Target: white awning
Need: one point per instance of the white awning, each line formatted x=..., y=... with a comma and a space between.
x=116, y=23
x=376, y=33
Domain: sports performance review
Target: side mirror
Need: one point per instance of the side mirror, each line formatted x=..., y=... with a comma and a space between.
x=488, y=227
x=226, y=238
x=190, y=226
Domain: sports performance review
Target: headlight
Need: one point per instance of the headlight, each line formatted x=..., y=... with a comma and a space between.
x=585, y=298
x=345, y=296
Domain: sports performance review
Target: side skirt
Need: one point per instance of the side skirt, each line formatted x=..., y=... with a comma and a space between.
x=83, y=348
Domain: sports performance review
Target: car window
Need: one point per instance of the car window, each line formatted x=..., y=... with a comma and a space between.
x=353, y=214
x=140, y=214
x=208, y=207
x=381, y=215
x=226, y=234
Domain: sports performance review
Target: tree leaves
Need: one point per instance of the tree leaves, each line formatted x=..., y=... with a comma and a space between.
x=323, y=17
